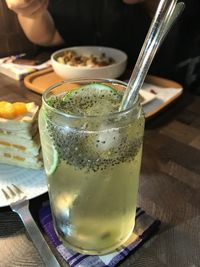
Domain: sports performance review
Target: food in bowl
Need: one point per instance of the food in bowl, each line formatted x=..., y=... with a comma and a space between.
x=72, y=58
x=100, y=62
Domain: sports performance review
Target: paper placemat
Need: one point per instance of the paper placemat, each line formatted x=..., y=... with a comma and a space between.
x=163, y=97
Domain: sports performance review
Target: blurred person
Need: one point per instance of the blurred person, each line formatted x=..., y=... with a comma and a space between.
x=122, y=24
x=88, y=22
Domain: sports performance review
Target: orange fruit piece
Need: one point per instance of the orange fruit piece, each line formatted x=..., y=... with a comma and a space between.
x=7, y=110
x=11, y=111
x=20, y=108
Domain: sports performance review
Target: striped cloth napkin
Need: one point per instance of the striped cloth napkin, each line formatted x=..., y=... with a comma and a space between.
x=144, y=228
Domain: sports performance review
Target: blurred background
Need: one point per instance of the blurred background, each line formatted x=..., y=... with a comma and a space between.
x=12, y=39
x=178, y=59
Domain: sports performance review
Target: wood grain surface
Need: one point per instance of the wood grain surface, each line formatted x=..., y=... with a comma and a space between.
x=169, y=190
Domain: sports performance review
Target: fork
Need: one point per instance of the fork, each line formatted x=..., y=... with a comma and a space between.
x=20, y=204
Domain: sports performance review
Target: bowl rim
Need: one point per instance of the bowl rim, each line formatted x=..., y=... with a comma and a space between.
x=123, y=60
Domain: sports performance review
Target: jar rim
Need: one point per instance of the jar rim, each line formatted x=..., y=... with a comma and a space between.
x=78, y=116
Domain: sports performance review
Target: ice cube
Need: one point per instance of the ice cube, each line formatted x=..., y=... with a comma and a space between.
x=107, y=139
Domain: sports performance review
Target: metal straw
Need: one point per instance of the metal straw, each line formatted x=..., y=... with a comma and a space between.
x=166, y=14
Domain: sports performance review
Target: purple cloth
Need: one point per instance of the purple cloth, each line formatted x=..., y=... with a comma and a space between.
x=144, y=228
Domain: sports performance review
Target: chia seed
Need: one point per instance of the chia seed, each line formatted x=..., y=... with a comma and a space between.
x=81, y=147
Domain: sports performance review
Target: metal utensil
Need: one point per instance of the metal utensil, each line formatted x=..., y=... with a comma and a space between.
x=167, y=13
x=20, y=204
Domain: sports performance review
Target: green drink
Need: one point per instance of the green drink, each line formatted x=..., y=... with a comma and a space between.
x=92, y=156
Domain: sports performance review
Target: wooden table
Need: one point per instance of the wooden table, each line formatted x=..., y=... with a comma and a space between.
x=169, y=189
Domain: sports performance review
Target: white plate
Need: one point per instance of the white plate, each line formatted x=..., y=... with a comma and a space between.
x=32, y=182
x=148, y=96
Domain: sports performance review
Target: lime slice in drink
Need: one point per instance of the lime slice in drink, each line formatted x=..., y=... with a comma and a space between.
x=50, y=154
x=51, y=159
x=93, y=99
x=91, y=88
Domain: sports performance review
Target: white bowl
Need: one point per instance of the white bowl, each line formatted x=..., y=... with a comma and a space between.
x=111, y=71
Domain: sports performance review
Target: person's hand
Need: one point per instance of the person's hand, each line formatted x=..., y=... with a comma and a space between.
x=28, y=8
